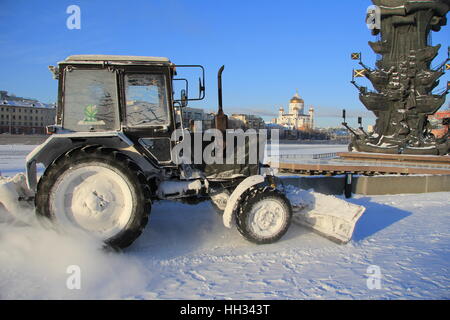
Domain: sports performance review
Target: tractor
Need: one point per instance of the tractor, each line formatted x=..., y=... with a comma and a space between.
x=120, y=143
x=109, y=155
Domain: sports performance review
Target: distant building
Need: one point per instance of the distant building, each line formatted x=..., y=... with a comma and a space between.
x=235, y=121
x=440, y=123
x=295, y=118
x=24, y=116
x=246, y=121
x=209, y=121
x=192, y=114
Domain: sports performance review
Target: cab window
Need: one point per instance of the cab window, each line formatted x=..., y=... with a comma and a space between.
x=146, y=100
x=90, y=100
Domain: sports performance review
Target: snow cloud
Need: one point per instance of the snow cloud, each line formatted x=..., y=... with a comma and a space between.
x=37, y=261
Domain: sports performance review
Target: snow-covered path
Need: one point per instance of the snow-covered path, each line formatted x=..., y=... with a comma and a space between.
x=187, y=253
x=211, y=262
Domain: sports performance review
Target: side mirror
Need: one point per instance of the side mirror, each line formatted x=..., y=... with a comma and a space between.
x=201, y=88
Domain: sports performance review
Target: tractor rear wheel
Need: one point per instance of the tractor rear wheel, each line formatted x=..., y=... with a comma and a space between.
x=98, y=190
x=265, y=216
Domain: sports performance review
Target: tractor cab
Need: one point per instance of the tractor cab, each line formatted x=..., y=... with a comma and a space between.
x=129, y=94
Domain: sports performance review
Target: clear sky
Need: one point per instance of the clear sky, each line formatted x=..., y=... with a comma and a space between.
x=269, y=48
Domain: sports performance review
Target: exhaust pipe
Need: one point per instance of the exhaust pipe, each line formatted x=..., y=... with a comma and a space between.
x=221, y=119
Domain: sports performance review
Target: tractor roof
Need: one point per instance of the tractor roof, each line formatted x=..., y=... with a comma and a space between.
x=115, y=59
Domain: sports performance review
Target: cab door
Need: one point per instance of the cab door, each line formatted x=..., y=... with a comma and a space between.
x=148, y=119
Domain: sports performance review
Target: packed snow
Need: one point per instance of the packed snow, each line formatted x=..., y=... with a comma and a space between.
x=186, y=253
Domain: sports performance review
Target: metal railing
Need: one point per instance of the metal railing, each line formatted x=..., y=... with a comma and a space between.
x=330, y=155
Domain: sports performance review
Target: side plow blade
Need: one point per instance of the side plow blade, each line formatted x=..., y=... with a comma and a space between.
x=326, y=215
x=15, y=198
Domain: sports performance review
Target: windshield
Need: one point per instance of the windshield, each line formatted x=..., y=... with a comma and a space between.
x=90, y=100
x=146, y=100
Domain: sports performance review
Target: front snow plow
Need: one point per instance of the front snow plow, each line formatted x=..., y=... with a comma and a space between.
x=328, y=216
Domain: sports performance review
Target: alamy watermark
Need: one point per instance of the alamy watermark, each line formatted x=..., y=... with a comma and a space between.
x=73, y=281
x=373, y=17
x=374, y=277
x=73, y=22
x=212, y=146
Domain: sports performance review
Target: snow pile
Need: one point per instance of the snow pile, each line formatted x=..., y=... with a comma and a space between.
x=39, y=262
x=327, y=215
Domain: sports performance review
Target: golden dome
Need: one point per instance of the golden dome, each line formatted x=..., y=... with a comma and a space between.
x=296, y=99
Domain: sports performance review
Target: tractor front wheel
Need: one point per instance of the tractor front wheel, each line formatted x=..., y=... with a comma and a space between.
x=265, y=216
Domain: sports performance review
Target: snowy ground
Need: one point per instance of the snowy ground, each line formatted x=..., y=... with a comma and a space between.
x=186, y=253
x=12, y=158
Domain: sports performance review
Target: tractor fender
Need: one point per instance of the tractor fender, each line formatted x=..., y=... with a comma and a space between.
x=233, y=201
x=58, y=144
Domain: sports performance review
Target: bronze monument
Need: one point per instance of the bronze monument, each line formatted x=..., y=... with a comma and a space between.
x=403, y=79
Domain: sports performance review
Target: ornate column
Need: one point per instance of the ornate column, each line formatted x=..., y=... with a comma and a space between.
x=403, y=79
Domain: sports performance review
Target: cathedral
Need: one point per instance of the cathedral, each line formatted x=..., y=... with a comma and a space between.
x=296, y=119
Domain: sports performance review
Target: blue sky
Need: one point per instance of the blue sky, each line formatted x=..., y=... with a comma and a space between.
x=269, y=48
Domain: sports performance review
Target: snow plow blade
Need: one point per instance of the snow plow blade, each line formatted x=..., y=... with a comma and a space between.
x=328, y=216
x=14, y=197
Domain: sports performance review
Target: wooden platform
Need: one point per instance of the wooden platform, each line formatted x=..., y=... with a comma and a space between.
x=337, y=169
x=397, y=158
x=369, y=164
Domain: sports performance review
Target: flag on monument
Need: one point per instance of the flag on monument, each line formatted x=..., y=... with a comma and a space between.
x=356, y=56
x=359, y=73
